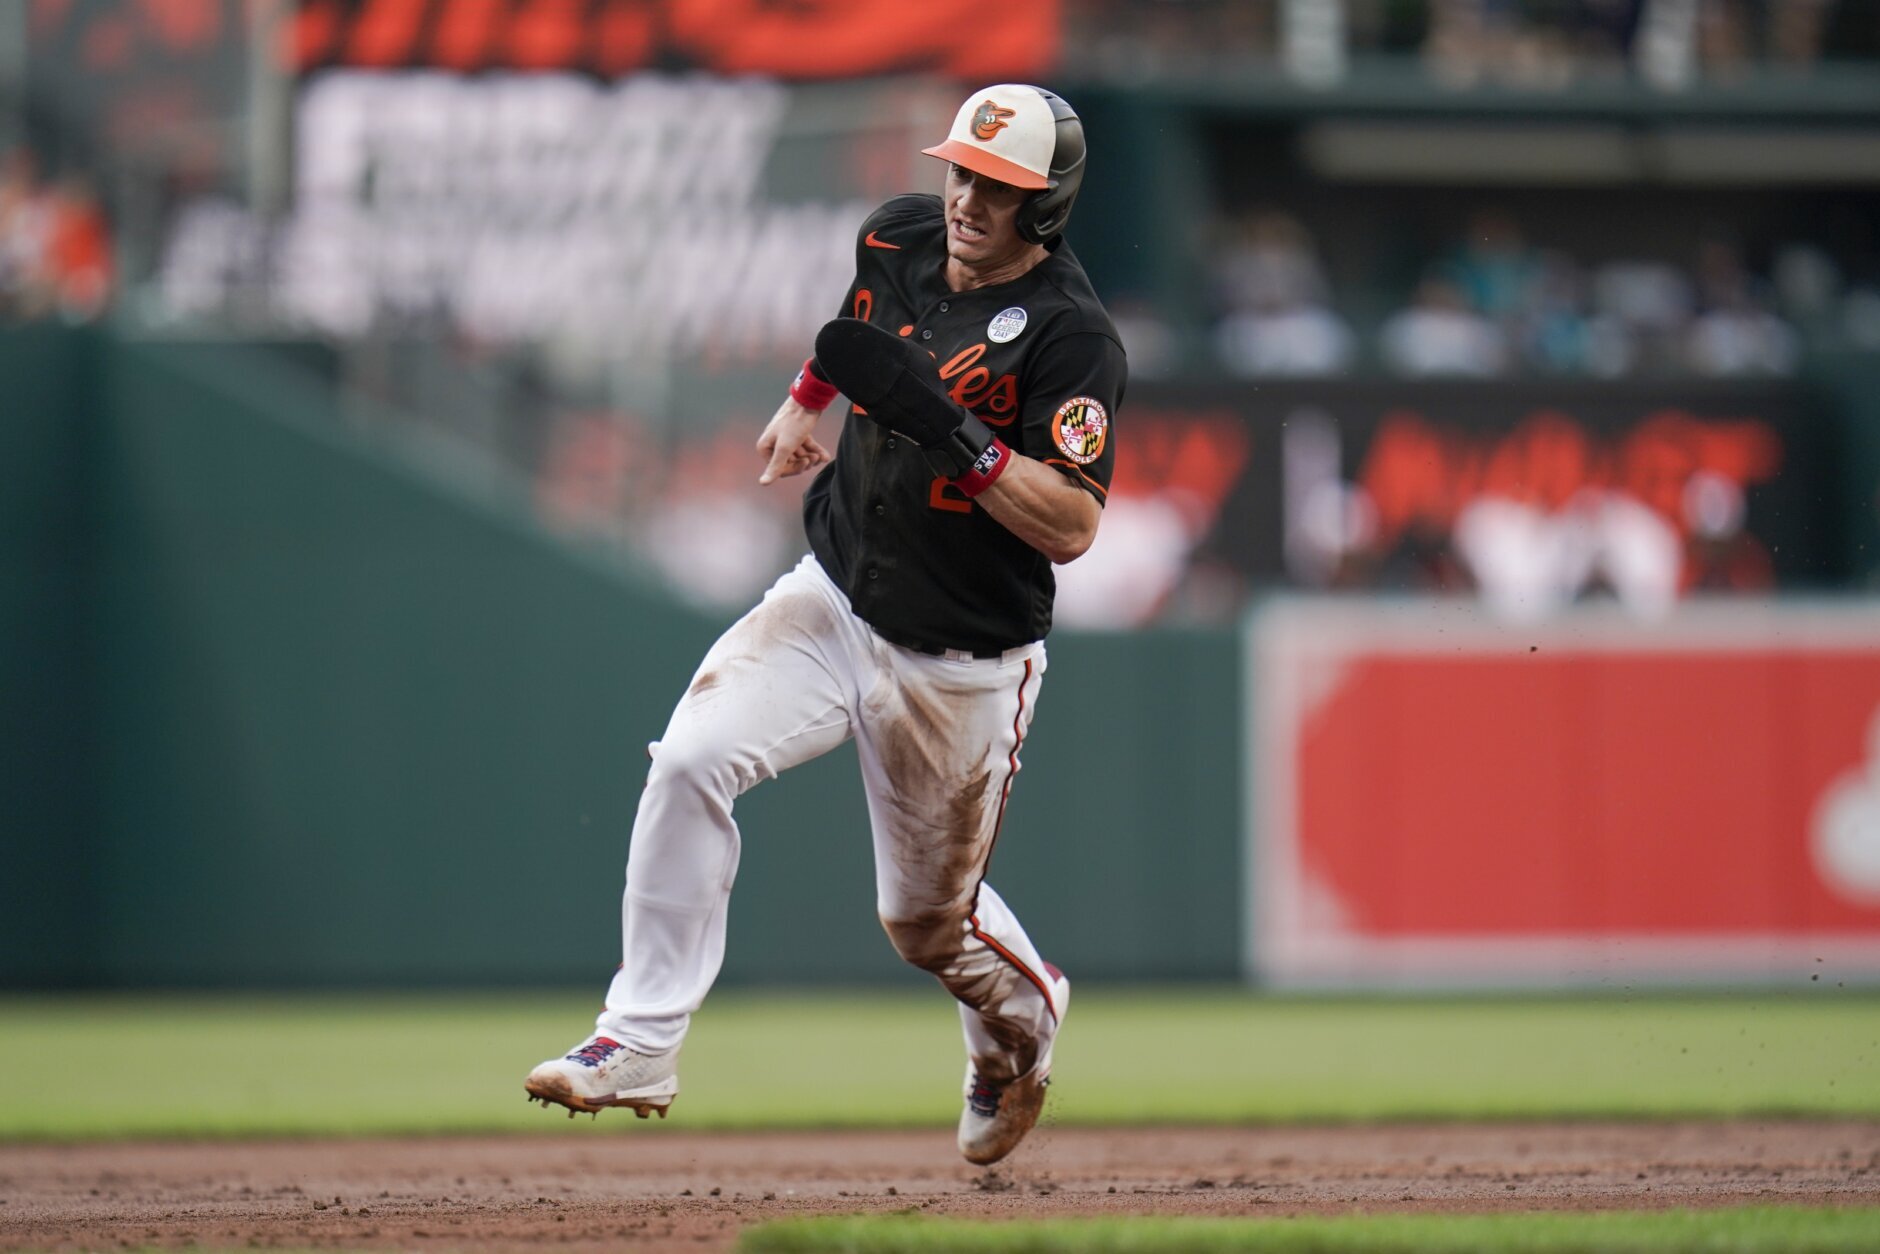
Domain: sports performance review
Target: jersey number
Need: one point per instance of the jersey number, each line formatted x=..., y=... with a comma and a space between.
x=941, y=494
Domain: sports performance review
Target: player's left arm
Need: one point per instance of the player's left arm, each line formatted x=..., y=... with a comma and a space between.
x=1051, y=496
x=1043, y=508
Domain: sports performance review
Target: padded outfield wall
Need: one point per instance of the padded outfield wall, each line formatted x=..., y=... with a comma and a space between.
x=47, y=697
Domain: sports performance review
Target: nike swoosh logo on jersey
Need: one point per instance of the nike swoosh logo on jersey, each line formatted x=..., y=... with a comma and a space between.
x=872, y=242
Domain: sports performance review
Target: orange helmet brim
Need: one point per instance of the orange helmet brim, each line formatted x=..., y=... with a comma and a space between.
x=979, y=161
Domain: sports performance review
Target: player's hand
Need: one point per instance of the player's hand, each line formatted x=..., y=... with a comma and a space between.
x=788, y=444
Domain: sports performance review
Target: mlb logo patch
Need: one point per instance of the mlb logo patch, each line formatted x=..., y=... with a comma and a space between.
x=1006, y=325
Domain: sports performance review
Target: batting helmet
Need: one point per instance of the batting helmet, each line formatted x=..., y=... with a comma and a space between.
x=1025, y=136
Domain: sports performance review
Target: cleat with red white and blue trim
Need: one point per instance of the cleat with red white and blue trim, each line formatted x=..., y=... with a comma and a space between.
x=602, y=1072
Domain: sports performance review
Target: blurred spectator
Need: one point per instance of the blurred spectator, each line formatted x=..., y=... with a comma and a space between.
x=1534, y=44
x=1719, y=555
x=1274, y=292
x=1525, y=44
x=1146, y=37
x=1807, y=286
x=1497, y=271
x=1860, y=317
x=596, y=463
x=25, y=228
x=1498, y=303
x=55, y=247
x=1561, y=336
x=1148, y=341
x=1422, y=559
x=1271, y=261
x=1735, y=334
x=1536, y=299
x=1440, y=334
x=1734, y=35
x=78, y=252
x=1299, y=341
x=1651, y=302
x=1796, y=31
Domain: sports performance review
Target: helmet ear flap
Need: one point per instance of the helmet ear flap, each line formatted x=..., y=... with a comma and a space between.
x=1043, y=215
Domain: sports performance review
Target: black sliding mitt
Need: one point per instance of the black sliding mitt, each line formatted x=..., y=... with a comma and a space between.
x=893, y=380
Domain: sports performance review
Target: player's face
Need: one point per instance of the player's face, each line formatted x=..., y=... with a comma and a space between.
x=982, y=217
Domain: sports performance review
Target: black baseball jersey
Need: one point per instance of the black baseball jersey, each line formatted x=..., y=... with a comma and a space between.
x=1040, y=363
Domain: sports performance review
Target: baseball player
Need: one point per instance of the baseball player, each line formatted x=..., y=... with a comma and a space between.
x=984, y=378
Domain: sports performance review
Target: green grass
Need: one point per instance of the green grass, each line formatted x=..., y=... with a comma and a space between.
x=1766, y=1230
x=316, y=1065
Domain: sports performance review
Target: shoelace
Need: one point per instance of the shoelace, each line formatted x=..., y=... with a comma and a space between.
x=595, y=1052
x=985, y=1097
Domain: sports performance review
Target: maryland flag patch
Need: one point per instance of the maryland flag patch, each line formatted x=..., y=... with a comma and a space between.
x=1080, y=429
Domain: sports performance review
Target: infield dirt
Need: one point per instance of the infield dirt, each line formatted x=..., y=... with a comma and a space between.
x=592, y=1187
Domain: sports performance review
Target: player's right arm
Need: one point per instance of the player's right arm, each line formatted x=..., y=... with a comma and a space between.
x=788, y=443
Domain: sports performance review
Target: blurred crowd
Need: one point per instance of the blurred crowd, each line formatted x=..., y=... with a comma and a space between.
x=55, y=244
x=1496, y=304
x=1525, y=559
x=1530, y=43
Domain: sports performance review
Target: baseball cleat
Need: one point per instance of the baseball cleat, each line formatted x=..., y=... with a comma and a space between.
x=999, y=1114
x=602, y=1072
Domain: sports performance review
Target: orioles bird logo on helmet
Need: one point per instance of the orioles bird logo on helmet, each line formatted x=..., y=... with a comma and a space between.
x=990, y=120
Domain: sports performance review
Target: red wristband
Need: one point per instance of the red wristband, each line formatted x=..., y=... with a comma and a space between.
x=986, y=471
x=811, y=392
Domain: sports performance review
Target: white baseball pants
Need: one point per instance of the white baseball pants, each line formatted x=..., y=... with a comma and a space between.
x=938, y=739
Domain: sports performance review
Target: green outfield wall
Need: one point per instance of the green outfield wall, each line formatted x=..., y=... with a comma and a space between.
x=292, y=705
x=47, y=569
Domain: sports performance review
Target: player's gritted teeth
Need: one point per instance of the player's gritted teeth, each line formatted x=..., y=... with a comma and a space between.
x=981, y=218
